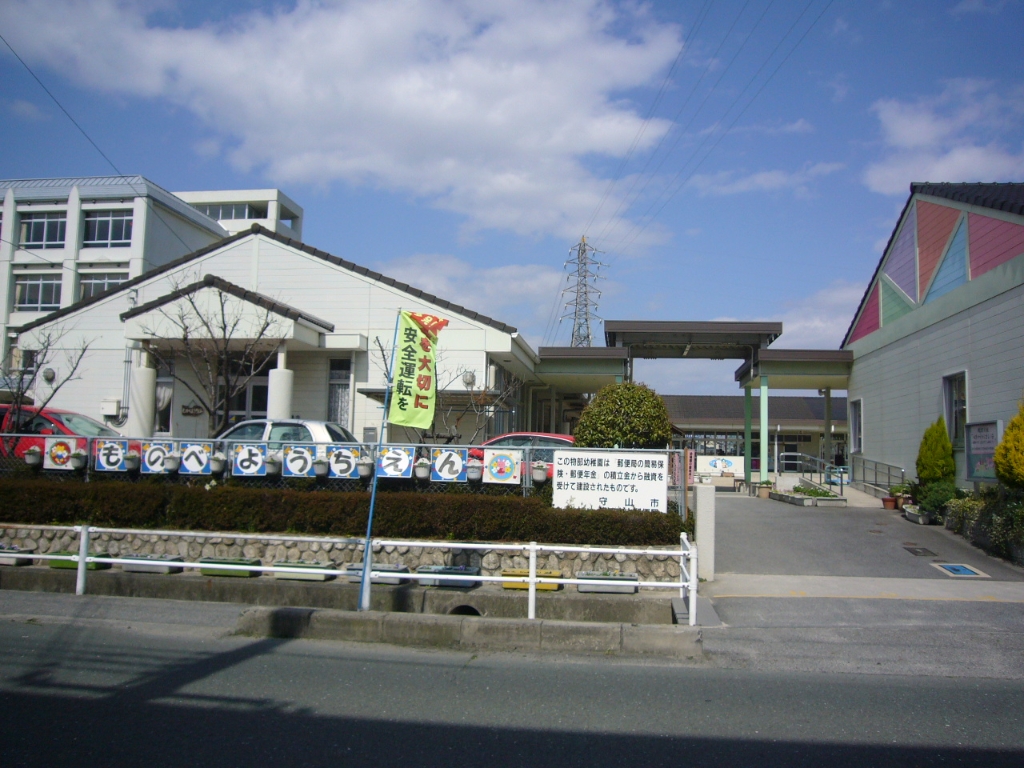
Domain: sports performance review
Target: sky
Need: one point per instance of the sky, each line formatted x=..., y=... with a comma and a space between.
x=729, y=160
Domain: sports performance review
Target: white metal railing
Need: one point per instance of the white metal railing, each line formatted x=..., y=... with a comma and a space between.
x=814, y=469
x=876, y=473
x=687, y=554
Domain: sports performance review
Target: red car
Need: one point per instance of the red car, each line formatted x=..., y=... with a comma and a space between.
x=46, y=423
x=543, y=444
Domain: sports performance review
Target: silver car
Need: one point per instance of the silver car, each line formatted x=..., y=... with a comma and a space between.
x=276, y=432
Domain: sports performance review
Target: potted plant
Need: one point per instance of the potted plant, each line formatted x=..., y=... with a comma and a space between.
x=422, y=468
x=172, y=462
x=915, y=514
x=320, y=467
x=539, y=470
x=901, y=493
x=474, y=470
x=311, y=570
x=131, y=460
x=7, y=552
x=273, y=464
x=889, y=502
x=364, y=466
x=217, y=463
x=79, y=459
x=34, y=456
x=764, y=489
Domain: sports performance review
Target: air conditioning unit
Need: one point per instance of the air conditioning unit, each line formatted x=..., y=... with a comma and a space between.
x=110, y=406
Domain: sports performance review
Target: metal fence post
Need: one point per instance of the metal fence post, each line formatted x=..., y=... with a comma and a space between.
x=684, y=545
x=532, y=609
x=83, y=553
x=692, y=597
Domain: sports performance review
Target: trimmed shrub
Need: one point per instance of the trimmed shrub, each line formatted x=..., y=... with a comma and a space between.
x=934, y=496
x=624, y=415
x=459, y=517
x=962, y=514
x=1009, y=456
x=935, y=455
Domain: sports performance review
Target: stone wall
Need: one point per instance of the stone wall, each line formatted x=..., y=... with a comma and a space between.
x=47, y=539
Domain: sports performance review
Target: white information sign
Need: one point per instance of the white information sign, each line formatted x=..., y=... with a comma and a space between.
x=611, y=480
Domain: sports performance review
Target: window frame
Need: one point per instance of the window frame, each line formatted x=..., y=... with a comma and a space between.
x=950, y=408
x=92, y=277
x=39, y=279
x=124, y=215
x=856, y=427
x=27, y=219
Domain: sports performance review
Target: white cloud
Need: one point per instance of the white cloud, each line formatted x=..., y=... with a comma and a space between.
x=26, y=110
x=966, y=133
x=820, y=320
x=978, y=6
x=840, y=86
x=729, y=183
x=487, y=109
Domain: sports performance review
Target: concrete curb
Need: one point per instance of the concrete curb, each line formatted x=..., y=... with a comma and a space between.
x=471, y=633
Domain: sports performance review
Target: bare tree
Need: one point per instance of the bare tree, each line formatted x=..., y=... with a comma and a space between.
x=224, y=334
x=35, y=370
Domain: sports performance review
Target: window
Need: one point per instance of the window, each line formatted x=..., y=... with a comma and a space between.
x=955, y=396
x=43, y=230
x=856, y=427
x=107, y=229
x=338, y=391
x=228, y=211
x=164, y=398
x=37, y=293
x=92, y=283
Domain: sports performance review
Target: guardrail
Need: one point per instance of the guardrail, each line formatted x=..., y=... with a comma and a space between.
x=876, y=472
x=687, y=554
x=814, y=469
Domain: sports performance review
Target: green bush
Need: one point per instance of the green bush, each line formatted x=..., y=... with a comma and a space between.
x=624, y=416
x=962, y=515
x=460, y=517
x=1009, y=457
x=934, y=496
x=935, y=455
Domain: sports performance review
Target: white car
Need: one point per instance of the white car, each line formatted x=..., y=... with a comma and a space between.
x=276, y=432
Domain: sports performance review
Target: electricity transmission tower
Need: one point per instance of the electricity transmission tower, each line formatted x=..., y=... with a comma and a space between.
x=582, y=292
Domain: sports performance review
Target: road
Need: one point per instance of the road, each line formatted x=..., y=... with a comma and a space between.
x=111, y=681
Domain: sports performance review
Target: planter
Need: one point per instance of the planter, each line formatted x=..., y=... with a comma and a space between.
x=273, y=466
x=449, y=570
x=78, y=461
x=213, y=561
x=628, y=581
x=914, y=514
x=310, y=565
x=171, y=463
x=320, y=469
x=131, y=463
x=145, y=564
x=354, y=572
x=792, y=498
x=889, y=502
x=6, y=552
x=526, y=572
x=422, y=471
x=33, y=458
x=71, y=565
x=900, y=500
x=364, y=468
x=217, y=465
x=474, y=472
x=540, y=475
x=764, y=491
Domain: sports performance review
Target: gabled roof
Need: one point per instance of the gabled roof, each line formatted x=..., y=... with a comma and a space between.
x=212, y=281
x=256, y=229
x=1008, y=197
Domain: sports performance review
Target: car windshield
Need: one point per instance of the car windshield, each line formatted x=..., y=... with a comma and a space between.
x=339, y=434
x=83, y=425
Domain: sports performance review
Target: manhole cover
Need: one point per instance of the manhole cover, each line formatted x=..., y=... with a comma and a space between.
x=920, y=552
x=960, y=571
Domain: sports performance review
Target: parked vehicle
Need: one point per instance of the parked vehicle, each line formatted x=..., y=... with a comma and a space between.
x=543, y=444
x=45, y=423
x=276, y=432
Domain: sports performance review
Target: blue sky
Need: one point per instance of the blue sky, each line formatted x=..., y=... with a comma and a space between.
x=731, y=160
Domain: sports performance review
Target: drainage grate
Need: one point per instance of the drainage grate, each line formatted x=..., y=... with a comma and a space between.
x=960, y=571
x=920, y=552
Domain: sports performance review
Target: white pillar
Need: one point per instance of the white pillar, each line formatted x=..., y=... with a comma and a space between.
x=141, y=403
x=704, y=513
x=279, y=394
x=763, y=474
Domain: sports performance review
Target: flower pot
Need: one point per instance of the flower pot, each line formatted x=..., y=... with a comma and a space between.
x=273, y=466
x=78, y=461
x=474, y=472
x=217, y=465
x=521, y=572
x=305, y=565
x=628, y=582
x=131, y=463
x=72, y=565
x=354, y=573
x=171, y=463
x=764, y=491
x=914, y=514
x=540, y=474
x=889, y=502
x=145, y=564
x=320, y=469
x=7, y=552
x=33, y=458
x=449, y=570
x=214, y=571
x=422, y=471
x=364, y=468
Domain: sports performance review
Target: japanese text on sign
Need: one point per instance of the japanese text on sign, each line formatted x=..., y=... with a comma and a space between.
x=608, y=480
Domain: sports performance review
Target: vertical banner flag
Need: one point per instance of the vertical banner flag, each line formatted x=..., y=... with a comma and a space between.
x=415, y=383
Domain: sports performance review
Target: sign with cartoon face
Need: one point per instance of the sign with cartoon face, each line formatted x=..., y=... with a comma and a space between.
x=448, y=465
x=153, y=455
x=342, y=461
x=502, y=465
x=110, y=455
x=395, y=462
x=57, y=452
x=249, y=460
x=195, y=459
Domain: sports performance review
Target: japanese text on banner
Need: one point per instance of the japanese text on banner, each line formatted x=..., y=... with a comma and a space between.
x=414, y=393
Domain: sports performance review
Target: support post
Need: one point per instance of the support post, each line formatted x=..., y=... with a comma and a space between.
x=280, y=382
x=83, y=553
x=531, y=612
x=692, y=597
x=828, y=426
x=763, y=475
x=747, y=452
x=704, y=531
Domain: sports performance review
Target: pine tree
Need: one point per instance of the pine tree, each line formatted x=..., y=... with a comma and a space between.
x=1009, y=457
x=935, y=456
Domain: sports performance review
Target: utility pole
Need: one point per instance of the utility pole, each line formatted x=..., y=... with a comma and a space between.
x=582, y=292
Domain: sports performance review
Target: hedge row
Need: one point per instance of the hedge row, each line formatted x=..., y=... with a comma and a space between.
x=458, y=517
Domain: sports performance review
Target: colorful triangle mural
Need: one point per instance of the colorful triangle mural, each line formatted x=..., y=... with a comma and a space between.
x=868, y=322
x=900, y=265
x=894, y=304
x=993, y=242
x=952, y=272
x=934, y=225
